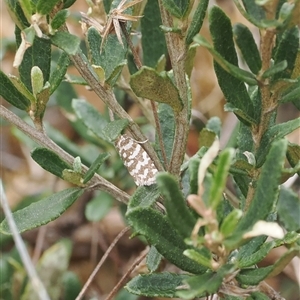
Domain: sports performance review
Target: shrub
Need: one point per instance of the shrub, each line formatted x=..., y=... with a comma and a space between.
x=181, y=206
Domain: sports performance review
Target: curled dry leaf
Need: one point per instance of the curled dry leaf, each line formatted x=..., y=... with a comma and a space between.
x=271, y=229
x=206, y=160
x=115, y=16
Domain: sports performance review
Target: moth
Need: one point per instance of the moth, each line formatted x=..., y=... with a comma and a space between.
x=136, y=159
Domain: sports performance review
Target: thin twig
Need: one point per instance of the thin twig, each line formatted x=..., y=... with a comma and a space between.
x=269, y=291
x=94, y=273
x=36, y=283
x=39, y=244
x=124, y=277
x=138, y=64
x=136, y=57
x=96, y=182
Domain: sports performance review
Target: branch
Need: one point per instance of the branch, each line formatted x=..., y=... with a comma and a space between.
x=44, y=141
x=177, y=52
x=107, y=96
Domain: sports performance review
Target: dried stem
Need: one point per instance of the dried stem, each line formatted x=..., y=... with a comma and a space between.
x=44, y=141
x=136, y=57
x=269, y=291
x=35, y=281
x=94, y=273
x=177, y=52
x=123, y=279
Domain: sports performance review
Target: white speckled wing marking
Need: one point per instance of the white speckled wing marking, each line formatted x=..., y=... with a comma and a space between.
x=136, y=159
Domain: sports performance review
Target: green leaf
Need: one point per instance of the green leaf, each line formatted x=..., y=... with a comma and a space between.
x=113, y=129
x=253, y=259
x=197, y=21
x=11, y=94
x=59, y=19
x=71, y=285
x=43, y=211
x=59, y=72
x=68, y=3
x=91, y=117
x=95, y=166
x=284, y=260
x=275, y=69
x=27, y=8
x=259, y=296
x=49, y=161
x=235, y=71
x=144, y=196
x=290, y=238
x=274, y=133
x=291, y=94
x=39, y=55
x=153, y=259
x=153, y=39
x=167, y=126
x=148, y=83
x=66, y=41
x=177, y=8
x=254, y=13
x=202, y=257
x=220, y=177
x=98, y=207
x=204, y=284
x=16, y=13
x=77, y=166
x=210, y=132
x=156, y=285
x=248, y=47
x=42, y=99
x=112, y=57
x=287, y=50
x=229, y=223
x=178, y=213
x=234, y=89
x=73, y=177
x=189, y=60
x=193, y=171
x=37, y=80
x=289, y=209
x=266, y=192
x=253, y=276
x=45, y=7
x=293, y=155
x=161, y=234
x=22, y=88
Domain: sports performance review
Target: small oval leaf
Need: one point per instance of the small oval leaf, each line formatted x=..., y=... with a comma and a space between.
x=148, y=83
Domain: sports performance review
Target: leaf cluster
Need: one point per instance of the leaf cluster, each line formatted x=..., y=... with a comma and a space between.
x=188, y=216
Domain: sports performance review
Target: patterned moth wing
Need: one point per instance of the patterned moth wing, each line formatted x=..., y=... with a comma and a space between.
x=136, y=159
